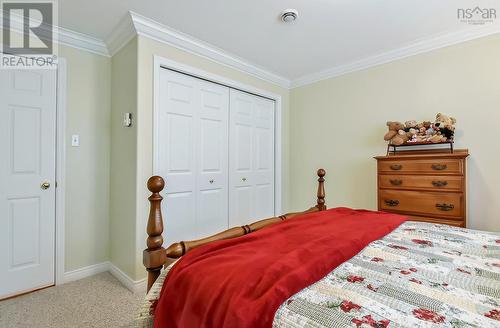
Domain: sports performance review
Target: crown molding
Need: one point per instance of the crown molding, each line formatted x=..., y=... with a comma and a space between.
x=162, y=33
x=134, y=24
x=66, y=37
x=415, y=48
x=81, y=41
x=121, y=35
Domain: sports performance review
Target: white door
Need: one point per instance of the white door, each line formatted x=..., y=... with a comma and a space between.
x=192, y=149
x=27, y=160
x=251, y=158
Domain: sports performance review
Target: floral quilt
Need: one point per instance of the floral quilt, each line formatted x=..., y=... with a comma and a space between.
x=420, y=275
x=145, y=316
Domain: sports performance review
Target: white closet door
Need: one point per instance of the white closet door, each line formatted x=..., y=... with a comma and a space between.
x=192, y=155
x=251, y=158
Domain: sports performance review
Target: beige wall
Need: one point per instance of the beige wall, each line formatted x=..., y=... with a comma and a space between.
x=87, y=166
x=339, y=124
x=147, y=48
x=123, y=158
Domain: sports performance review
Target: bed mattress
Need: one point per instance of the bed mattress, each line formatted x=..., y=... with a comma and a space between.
x=419, y=275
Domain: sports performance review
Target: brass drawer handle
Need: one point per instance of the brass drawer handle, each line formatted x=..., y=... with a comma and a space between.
x=439, y=167
x=396, y=182
x=392, y=202
x=396, y=167
x=439, y=183
x=445, y=207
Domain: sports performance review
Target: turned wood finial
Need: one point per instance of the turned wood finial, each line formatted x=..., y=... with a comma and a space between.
x=321, y=190
x=156, y=184
x=154, y=256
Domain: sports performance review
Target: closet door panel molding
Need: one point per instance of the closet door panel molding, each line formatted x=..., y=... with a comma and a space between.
x=177, y=107
x=212, y=149
x=264, y=158
x=251, y=158
x=192, y=154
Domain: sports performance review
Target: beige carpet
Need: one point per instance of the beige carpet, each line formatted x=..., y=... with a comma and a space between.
x=98, y=301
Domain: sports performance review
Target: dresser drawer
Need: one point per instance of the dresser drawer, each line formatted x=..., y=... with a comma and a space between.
x=448, y=183
x=456, y=223
x=422, y=202
x=422, y=166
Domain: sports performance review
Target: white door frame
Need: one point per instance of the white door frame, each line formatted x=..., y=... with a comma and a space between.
x=161, y=62
x=60, y=170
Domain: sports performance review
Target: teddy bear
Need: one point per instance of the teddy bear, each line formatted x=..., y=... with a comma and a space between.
x=410, y=125
x=411, y=130
x=441, y=130
x=429, y=131
x=396, y=134
x=445, y=125
x=427, y=124
x=437, y=137
x=421, y=128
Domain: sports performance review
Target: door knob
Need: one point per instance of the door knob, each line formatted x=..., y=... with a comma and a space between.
x=45, y=185
x=244, y=179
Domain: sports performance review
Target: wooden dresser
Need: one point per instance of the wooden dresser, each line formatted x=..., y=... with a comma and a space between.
x=425, y=185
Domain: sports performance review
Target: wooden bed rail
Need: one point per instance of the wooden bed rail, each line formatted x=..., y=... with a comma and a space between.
x=155, y=256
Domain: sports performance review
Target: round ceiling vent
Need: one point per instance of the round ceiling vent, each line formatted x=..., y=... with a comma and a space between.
x=289, y=15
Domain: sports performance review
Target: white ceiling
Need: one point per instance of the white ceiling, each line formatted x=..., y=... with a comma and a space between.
x=328, y=33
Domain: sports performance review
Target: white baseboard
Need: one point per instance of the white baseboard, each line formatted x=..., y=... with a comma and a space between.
x=85, y=272
x=135, y=286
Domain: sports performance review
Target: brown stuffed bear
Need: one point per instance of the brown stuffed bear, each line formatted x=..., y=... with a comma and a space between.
x=445, y=125
x=396, y=134
x=441, y=130
x=411, y=128
x=437, y=138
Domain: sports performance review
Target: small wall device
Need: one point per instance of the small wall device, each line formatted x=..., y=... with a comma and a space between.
x=127, y=120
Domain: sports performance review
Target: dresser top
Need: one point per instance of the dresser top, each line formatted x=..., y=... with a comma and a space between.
x=419, y=154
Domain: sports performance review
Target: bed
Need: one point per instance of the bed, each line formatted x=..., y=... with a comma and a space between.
x=322, y=268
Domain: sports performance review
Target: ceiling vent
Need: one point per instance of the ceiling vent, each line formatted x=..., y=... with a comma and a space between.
x=289, y=15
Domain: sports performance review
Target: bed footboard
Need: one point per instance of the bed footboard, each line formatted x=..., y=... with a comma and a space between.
x=155, y=256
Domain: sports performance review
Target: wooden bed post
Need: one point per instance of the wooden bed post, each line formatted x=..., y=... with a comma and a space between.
x=154, y=257
x=321, y=190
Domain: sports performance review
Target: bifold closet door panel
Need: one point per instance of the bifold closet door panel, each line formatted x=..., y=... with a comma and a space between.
x=264, y=157
x=241, y=154
x=212, y=159
x=251, y=158
x=192, y=155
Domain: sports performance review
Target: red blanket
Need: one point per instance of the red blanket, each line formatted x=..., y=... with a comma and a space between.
x=241, y=282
